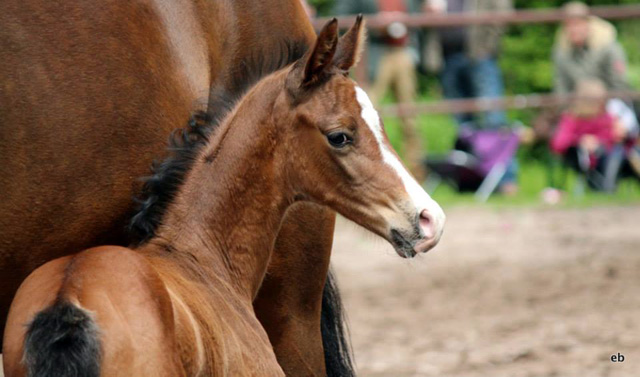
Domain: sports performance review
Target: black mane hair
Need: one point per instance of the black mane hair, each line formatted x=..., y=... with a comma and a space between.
x=185, y=143
x=166, y=176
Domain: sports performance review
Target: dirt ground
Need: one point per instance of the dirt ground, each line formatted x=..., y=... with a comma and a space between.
x=517, y=292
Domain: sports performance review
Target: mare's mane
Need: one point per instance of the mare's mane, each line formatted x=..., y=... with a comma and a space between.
x=160, y=187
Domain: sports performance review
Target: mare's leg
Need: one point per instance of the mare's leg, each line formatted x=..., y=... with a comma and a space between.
x=290, y=299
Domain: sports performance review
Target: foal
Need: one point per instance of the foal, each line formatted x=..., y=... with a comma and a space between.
x=181, y=305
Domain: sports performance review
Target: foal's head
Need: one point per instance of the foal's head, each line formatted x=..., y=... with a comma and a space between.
x=339, y=154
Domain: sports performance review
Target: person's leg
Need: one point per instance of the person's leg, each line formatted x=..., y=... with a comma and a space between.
x=633, y=159
x=509, y=182
x=383, y=77
x=453, y=81
x=465, y=86
x=486, y=81
x=404, y=85
x=610, y=166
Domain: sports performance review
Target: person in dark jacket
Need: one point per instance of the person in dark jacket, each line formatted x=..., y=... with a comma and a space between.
x=467, y=59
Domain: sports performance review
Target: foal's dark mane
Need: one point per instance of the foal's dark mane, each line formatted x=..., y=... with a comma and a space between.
x=185, y=143
x=161, y=186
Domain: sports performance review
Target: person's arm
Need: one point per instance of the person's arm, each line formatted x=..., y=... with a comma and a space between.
x=615, y=68
x=561, y=78
x=624, y=116
x=565, y=136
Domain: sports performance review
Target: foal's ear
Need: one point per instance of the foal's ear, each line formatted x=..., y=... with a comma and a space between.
x=350, y=46
x=319, y=62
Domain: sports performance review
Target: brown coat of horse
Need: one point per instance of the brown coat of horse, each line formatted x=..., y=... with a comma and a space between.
x=182, y=303
x=89, y=93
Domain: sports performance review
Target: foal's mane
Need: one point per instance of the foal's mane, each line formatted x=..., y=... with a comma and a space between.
x=160, y=188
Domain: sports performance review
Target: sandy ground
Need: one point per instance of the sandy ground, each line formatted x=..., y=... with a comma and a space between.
x=518, y=292
x=515, y=293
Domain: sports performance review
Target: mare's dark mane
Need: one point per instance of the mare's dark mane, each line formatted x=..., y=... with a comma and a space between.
x=166, y=176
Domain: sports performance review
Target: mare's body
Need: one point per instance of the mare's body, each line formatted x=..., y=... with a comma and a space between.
x=182, y=303
x=89, y=93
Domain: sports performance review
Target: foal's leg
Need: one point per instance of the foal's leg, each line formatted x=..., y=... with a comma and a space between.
x=289, y=301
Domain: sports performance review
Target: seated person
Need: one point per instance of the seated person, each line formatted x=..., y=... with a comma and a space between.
x=588, y=134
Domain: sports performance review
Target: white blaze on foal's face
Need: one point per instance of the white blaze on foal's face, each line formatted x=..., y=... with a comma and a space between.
x=430, y=215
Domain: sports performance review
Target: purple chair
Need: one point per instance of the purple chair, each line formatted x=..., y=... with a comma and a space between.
x=478, y=162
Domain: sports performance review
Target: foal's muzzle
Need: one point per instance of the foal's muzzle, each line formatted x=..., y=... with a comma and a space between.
x=422, y=235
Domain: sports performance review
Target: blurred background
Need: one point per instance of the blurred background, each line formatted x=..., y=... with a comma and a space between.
x=520, y=117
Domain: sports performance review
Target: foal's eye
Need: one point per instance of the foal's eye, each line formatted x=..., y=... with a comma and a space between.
x=339, y=139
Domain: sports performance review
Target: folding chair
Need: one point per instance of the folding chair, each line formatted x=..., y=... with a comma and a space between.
x=621, y=161
x=478, y=162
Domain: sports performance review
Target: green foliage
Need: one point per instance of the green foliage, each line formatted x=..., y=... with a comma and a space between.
x=526, y=59
x=323, y=7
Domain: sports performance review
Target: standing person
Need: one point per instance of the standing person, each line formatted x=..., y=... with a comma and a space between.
x=586, y=48
x=392, y=64
x=467, y=59
x=466, y=56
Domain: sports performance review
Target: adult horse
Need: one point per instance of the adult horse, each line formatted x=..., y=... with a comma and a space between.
x=89, y=93
x=182, y=304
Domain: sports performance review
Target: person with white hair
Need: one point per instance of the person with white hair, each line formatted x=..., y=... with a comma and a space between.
x=586, y=48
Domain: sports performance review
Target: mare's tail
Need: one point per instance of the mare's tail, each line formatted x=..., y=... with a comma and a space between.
x=335, y=335
x=62, y=341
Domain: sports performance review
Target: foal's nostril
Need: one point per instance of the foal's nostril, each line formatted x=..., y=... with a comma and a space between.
x=426, y=224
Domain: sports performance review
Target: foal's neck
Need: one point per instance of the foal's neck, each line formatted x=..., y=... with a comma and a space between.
x=226, y=216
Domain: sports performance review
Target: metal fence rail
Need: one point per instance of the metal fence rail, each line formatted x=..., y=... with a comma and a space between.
x=425, y=20
x=527, y=101
x=535, y=16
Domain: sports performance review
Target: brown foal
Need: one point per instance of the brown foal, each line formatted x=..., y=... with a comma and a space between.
x=181, y=304
x=91, y=90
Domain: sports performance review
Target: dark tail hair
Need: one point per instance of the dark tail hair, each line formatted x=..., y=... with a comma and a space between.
x=335, y=334
x=62, y=341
